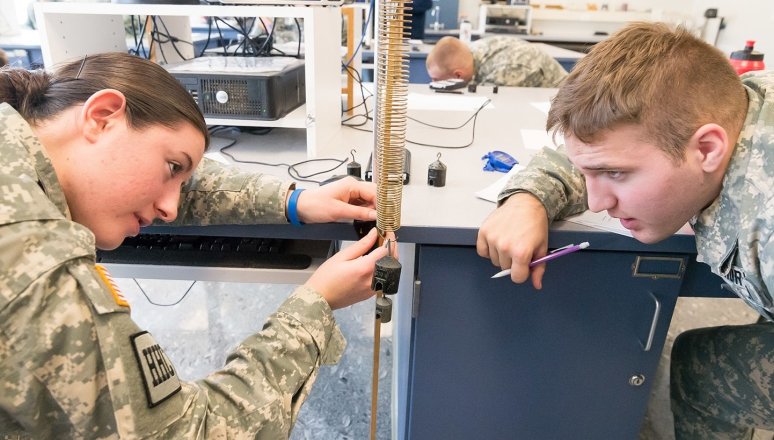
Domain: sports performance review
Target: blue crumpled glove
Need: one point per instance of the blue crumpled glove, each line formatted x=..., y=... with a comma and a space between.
x=499, y=161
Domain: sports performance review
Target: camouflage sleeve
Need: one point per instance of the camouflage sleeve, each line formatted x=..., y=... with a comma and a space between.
x=509, y=61
x=270, y=375
x=765, y=246
x=552, y=72
x=524, y=75
x=551, y=178
x=513, y=74
x=524, y=71
x=218, y=194
x=51, y=381
x=767, y=264
x=71, y=367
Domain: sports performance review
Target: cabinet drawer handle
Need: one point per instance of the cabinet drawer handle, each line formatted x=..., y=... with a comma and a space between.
x=658, y=267
x=652, y=333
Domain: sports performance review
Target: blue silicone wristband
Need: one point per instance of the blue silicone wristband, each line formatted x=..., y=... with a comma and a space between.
x=293, y=207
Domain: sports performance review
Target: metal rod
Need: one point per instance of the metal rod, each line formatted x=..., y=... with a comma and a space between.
x=375, y=373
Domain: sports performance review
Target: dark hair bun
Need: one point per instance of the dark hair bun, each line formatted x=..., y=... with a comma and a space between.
x=24, y=89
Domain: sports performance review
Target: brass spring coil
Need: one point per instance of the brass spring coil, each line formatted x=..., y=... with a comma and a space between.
x=392, y=49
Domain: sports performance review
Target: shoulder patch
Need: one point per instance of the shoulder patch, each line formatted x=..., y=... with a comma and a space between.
x=111, y=285
x=158, y=374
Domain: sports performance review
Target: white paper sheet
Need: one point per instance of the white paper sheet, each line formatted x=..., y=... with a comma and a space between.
x=217, y=156
x=542, y=106
x=536, y=139
x=490, y=192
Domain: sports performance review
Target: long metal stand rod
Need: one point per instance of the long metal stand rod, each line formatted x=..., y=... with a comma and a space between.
x=377, y=348
x=375, y=374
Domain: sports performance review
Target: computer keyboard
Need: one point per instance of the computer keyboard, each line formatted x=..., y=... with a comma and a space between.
x=195, y=250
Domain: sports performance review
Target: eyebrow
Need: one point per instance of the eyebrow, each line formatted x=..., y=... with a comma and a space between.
x=189, y=162
x=598, y=168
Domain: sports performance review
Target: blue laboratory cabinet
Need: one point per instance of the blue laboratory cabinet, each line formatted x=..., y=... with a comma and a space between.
x=497, y=360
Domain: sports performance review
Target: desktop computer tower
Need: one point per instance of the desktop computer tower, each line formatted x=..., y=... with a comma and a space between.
x=252, y=88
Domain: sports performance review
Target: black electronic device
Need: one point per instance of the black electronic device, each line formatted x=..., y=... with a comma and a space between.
x=255, y=88
x=369, y=174
x=448, y=84
x=194, y=250
x=260, y=45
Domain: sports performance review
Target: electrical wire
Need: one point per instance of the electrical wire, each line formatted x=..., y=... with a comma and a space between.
x=154, y=39
x=159, y=304
x=473, y=118
x=223, y=42
x=305, y=178
x=209, y=37
x=140, y=42
x=351, y=71
x=292, y=168
x=269, y=37
x=363, y=33
x=298, y=26
x=172, y=39
x=244, y=27
x=356, y=76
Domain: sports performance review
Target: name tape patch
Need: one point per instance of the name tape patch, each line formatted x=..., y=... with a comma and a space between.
x=158, y=374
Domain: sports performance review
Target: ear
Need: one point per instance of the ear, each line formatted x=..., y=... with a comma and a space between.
x=710, y=145
x=102, y=111
x=462, y=74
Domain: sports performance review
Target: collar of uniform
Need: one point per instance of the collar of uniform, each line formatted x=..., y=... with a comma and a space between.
x=716, y=226
x=476, y=65
x=43, y=166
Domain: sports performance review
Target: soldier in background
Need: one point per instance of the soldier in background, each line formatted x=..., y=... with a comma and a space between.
x=660, y=131
x=501, y=60
x=88, y=155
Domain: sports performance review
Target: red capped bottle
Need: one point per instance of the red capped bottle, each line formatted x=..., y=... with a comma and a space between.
x=747, y=59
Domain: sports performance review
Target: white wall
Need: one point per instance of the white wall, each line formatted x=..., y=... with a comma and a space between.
x=745, y=20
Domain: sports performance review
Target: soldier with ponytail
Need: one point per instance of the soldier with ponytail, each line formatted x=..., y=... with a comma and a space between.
x=90, y=153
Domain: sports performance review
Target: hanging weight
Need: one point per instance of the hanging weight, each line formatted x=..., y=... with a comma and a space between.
x=386, y=275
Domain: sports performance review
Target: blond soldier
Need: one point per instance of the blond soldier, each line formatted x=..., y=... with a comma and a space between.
x=659, y=132
x=501, y=60
x=88, y=155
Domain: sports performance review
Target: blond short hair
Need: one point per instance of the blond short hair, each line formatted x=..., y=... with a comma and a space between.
x=448, y=55
x=665, y=80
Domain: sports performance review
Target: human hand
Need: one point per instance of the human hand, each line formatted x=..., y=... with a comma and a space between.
x=515, y=234
x=344, y=199
x=345, y=278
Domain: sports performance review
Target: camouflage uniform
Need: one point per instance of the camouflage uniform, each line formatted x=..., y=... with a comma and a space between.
x=511, y=61
x=722, y=378
x=73, y=364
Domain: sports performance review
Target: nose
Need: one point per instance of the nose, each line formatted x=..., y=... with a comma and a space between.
x=600, y=198
x=166, y=205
